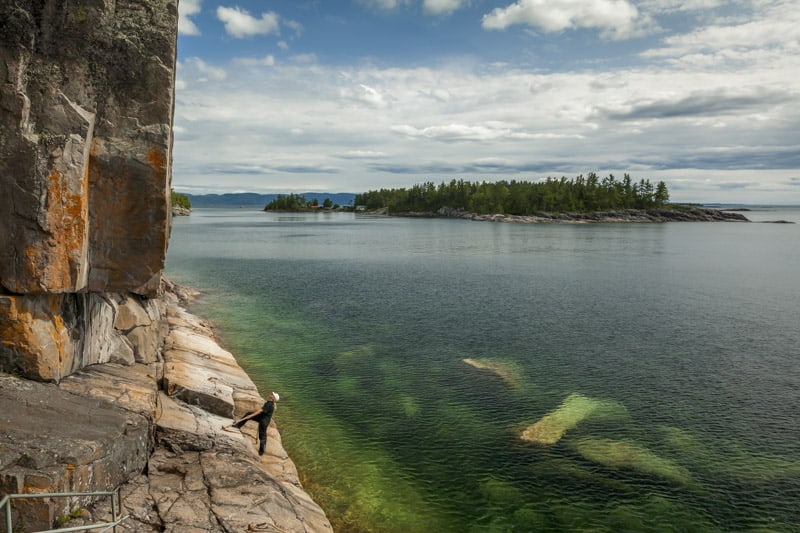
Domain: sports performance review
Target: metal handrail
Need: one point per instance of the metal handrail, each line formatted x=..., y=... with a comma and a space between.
x=115, y=506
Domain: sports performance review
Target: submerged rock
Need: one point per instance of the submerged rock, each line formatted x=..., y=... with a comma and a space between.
x=509, y=371
x=623, y=454
x=572, y=411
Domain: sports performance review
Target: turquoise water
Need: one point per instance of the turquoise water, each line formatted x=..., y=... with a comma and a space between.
x=666, y=356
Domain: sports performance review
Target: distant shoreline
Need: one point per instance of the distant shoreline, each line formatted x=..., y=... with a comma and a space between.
x=682, y=214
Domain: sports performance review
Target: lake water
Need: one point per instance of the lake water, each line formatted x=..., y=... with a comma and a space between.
x=669, y=354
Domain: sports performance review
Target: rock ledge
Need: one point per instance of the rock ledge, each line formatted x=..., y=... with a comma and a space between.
x=156, y=430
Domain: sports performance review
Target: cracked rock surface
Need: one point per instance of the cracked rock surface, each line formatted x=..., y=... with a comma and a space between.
x=186, y=473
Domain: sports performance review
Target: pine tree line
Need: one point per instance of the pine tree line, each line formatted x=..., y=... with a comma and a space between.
x=578, y=195
x=180, y=200
x=297, y=202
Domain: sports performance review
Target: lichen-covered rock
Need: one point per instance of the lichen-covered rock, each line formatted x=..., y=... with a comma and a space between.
x=34, y=341
x=48, y=337
x=86, y=100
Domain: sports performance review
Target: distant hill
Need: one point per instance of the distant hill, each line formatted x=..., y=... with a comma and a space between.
x=254, y=200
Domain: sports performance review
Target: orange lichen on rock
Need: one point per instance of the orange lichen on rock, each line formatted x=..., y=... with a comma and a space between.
x=60, y=260
x=157, y=160
x=14, y=325
x=33, y=331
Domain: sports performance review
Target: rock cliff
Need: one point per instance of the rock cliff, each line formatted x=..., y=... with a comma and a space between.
x=85, y=144
x=155, y=429
x=104, y=380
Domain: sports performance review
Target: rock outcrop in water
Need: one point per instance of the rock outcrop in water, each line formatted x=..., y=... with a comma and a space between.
x=678, y=214
x=104, y=382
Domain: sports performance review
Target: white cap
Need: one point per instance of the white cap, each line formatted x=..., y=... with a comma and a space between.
x=276, y=396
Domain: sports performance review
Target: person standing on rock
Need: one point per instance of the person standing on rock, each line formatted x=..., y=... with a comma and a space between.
x=263, y=417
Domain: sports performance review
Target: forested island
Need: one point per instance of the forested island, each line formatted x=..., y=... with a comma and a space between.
x=582, y=199
x=181, y=205
x=577, y=195
x=298, y=202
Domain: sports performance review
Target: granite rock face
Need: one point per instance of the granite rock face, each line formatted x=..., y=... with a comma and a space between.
x=51, y=440
x=157, y=431
x=86, y=103
x=47, y=337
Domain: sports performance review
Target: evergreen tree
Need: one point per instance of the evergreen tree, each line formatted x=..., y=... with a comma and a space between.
x=662, y=194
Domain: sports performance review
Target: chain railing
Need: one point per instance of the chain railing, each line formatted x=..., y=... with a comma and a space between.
x=5, y=503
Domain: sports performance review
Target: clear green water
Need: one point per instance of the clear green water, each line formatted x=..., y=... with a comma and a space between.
x=681, y=343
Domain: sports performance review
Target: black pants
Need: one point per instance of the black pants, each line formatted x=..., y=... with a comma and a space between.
x=262, y=430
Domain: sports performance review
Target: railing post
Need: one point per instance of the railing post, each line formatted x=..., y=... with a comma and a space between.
x=7, y=505
x=114, y=504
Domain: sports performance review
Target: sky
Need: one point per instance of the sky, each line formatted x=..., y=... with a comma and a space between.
x=356, y=95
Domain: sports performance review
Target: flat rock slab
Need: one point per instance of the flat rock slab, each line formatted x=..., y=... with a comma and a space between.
x=199, y=372
x=55, y=441
x=178, y=317
x=134, y=388
x=187, y=427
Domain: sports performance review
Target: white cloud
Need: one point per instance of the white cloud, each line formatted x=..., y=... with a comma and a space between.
x=615, y=18
x=383, y=4
x=365, y=95
x=484, y=132
x=200, y=71
x=266, y=61
x=669, y=6
x=441, y=7
x=360, y=127
x=776, y=29
x=283, y=45
x=293, y=25
x=187, y=9
x=304, y=58
x=361, y=154
x=240, y=24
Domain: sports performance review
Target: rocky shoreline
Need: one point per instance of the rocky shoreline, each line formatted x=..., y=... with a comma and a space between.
x=155, y=429
x=105, y=380
x=683, y=214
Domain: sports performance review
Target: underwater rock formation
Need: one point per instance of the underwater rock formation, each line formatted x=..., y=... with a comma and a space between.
x=623, y=454
x=507, y=370
x=572, y=411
